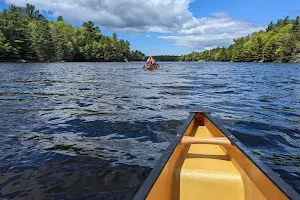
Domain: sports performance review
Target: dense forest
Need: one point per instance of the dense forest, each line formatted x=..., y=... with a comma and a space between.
x=280, y=42
x=25, y=34
x=166, y=58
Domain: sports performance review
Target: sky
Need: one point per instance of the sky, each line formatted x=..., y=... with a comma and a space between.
x=169, y=27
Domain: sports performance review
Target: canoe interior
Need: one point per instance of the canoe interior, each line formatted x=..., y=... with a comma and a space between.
x=208, y=171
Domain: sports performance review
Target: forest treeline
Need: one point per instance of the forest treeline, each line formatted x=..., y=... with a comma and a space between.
x=280, y=42
x=167, y=58
x=25, y=34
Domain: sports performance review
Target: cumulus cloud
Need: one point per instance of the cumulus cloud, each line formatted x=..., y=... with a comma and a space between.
x=134, y=15
x=172, y=18
x=206, y=33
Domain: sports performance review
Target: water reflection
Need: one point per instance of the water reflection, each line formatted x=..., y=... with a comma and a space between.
x=75, y=178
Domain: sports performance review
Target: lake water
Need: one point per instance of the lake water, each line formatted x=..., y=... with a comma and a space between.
x=95, y=130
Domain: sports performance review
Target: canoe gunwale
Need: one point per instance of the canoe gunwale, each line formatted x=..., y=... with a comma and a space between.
x=282, y=185
x=158, y=168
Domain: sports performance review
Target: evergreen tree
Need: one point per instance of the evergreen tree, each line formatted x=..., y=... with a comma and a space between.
x=269, y=51
x=237, y=51
x=270, y=26
x=285, y=21
x=288, y=46
x=296, y=28
x=62, y=37
x=41, y=40
x=60, y=18
x=5, y=48
x=30, y=11
x=14, y=26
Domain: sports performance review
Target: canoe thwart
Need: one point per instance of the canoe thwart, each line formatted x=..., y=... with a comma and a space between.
x=197, y=140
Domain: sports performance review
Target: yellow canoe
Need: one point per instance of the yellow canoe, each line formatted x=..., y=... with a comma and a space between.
x=207, y=162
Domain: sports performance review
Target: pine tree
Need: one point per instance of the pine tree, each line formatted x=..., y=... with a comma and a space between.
x=14, y=27
x=270, y=26
x=285, y=21
x=60, y=18
x=269, y=51
x=288, y=48
x=41, y=40
x=5, y=48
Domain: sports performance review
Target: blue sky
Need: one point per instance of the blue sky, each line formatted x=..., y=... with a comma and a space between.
x=260, y=12
x=171, y=27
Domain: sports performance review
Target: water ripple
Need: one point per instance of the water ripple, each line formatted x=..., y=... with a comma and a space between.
x=64, y=121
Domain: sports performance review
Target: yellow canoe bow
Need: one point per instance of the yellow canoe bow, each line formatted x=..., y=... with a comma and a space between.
x=207, y=162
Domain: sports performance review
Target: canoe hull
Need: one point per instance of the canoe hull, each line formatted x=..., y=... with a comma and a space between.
x=210, y=171
x=150, y=67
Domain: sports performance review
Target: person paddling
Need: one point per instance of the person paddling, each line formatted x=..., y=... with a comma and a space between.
x=149, y=60
x=153, y=62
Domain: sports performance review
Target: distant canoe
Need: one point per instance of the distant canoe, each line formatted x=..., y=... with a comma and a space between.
x=150, y=67
x=21, y=61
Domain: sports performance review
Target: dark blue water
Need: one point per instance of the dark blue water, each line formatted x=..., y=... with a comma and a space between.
x=95, y=130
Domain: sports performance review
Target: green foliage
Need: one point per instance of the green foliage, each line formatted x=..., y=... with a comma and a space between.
x=296, y=28
x=5, y=47
x=26, y=34
x=270, y=26
x=42, y=44
x=14, y=26
x=62, y=36
x=217, y=54
x=237, y=51
x=269, y=50
x=137, y=56
x=280, y=42
x=253, y=49
x=60, y=18
x=287, y=48
x=167, y=58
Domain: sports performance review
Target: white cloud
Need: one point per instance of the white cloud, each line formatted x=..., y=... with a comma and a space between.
x=148, y=36
x=171, y=17
x=139, y=15
x=206, y=33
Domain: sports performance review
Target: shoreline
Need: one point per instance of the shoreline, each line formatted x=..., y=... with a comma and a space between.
x=64, y=61
x=83, y=61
